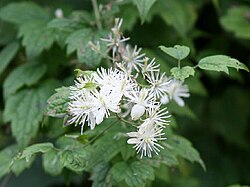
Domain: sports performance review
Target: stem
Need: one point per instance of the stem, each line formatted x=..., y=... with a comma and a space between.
x=101, y=133
x=97, y=14
x=179, y=64
x=126, y=121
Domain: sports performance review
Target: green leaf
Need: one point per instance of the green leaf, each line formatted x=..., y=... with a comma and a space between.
x=52, y=163
x=64, y=24
x=26, y=75
x=25, y=111
x=6, y=156
x=182, y=147
x=23, y=12
x=20, y=165
x=143, y=7
x=134, y=174
x=36, y=148
x=178, y=52
x=101, y=176
x=237, y=21
x=182, y=73
x=7, y=54
x=237, y=185
x=75, y=160
x=220, y=63
x=58, y=102
x=180, y=14
x=36, y=37
x=79, y=41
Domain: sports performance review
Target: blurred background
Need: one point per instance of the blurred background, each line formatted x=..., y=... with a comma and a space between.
x=216, y=118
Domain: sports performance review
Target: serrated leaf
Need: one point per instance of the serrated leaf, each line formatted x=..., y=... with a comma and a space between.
x=25, y=75
x=237, y=21
x=52, y=163
x=134, y=174
x=79, y=41
x=7, y=54
x=221, y=63
x=58, y=102
x=101, y=175
x=182, y=147
x=143, y=7
x=182, y=73
x=75, y=160
x=36, y=37
x=178, y=52
x=23, y=12
x=64, y=24
x=25, y=111
x=30, y=151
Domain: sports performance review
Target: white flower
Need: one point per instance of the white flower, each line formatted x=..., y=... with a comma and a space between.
x=151, y=67
x=82, y=84
x=176, y=90
x=80, y=111
x=59, y=13
x=116, y=38
x=146, y=140
x=159, y=83
x=157, y=116
x=132, y=58
x=143, y=99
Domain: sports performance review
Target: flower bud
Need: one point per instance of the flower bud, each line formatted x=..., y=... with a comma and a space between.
x=137, y=111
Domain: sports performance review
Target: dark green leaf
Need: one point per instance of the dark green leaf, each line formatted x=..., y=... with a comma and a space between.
x=134, y=174
x=23, y=12
x=25, y=75
x=237, y=21
x=36, y=37
x=221, y=63
x=143, y=6
x=178, y=52
x=180, y=14
x=25, y=111
x=183, y=148
x=58, y=102
x=182, y=73
x=64, y=24
x=101, y=176
x=7, y=54
x=6, y=156
x=52, y=163
x=30, y=151
x=79, y=41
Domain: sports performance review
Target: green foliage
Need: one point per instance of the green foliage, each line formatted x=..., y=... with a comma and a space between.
x=58, y=102
x=25, y=75
x=237, y=21
x=25, y=111
x=39, y=50
x=36, y=37
x=182, y=73
x=143, y=7
x=221, y=63
x=79, y=41
x=7, y=54
x=134, y=174
x=23, y=12
x=178, y=52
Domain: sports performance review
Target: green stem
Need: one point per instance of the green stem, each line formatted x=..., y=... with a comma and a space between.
x=97, y=14
x=179, y=64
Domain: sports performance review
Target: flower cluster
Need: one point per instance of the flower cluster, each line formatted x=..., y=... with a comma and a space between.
x=135, y=84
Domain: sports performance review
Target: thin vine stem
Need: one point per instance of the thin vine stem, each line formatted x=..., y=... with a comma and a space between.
x=97, y=14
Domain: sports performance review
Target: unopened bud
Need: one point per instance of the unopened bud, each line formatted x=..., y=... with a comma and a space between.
x=137, y=111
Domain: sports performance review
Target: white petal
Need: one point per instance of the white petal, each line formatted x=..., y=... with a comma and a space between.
x=137, y=111
x=133, y=141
